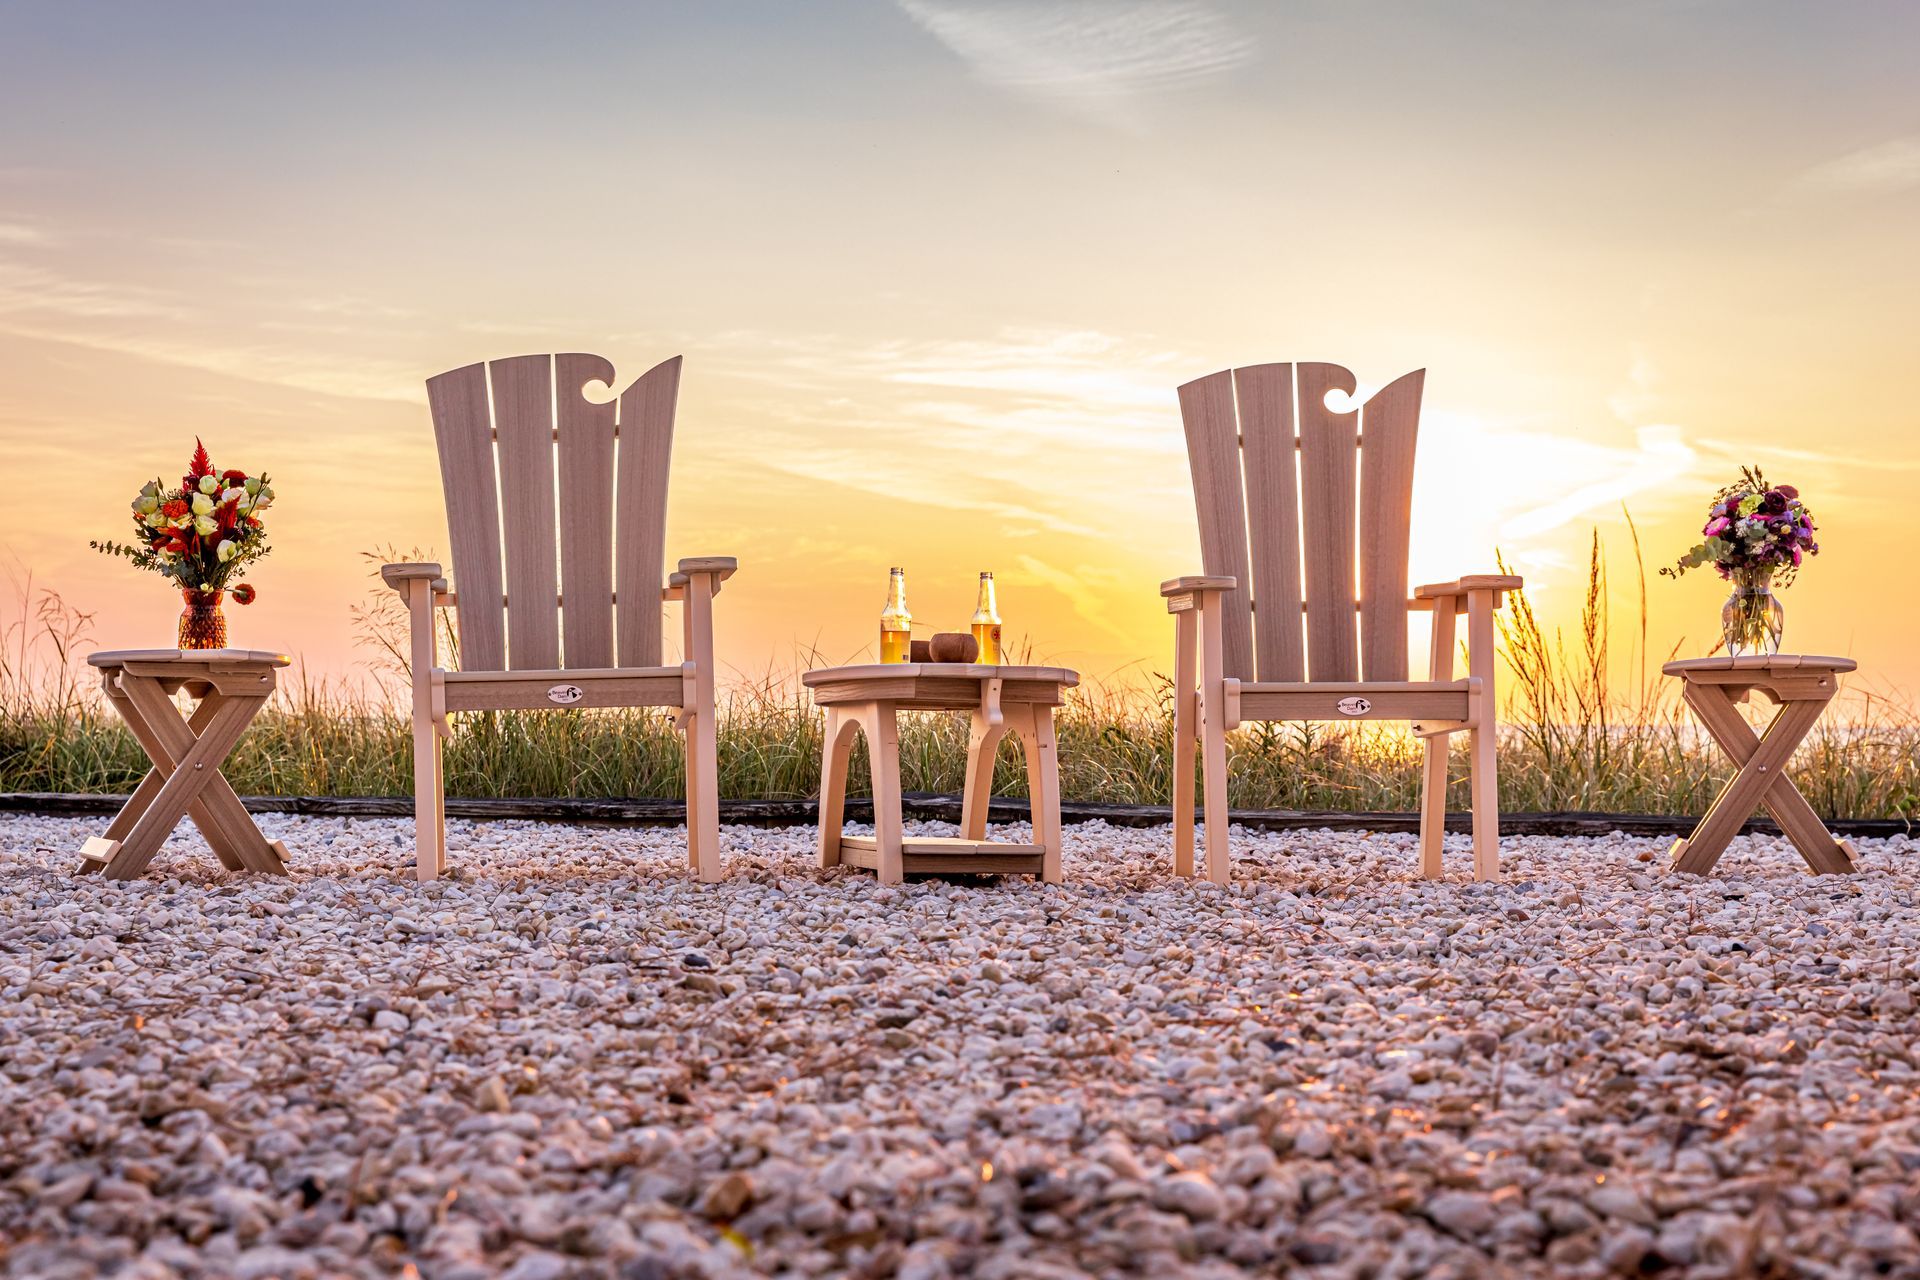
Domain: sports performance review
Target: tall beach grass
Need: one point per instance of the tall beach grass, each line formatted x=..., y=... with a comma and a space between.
x=1571, y=737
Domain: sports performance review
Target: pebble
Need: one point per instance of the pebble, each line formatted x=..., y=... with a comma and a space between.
x=565, y=1058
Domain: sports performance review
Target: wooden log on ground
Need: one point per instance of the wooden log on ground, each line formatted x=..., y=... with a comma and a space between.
x=928, y=806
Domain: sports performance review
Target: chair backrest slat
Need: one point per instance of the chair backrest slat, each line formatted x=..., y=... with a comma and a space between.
x=1389, y=425
x=1213, y=455
x=1265, y=396
x=463, y=430
x=523, y=419
x=586, y=509
x=1319, y=504
x=640, y=494
x=1328, y=443
x=582, y=570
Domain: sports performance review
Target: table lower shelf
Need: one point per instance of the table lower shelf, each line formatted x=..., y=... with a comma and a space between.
x=948, y=855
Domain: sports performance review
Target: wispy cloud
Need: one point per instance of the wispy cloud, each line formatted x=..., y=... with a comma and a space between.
x=1092, y=57
x=1609, y=476
x=19, y=233
x=29, y=289
x=973, y=424
x=45, y=304
x=1885, y=167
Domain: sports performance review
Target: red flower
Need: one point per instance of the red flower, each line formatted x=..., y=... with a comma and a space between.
x=175, y=509
x=202, y=465
x=243, y=594
x=232, y=478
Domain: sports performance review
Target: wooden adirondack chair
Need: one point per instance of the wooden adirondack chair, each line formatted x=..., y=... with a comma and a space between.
x=1334, y=493
x=594, y=556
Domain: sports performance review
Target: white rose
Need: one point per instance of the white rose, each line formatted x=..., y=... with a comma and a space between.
x=235, y=494
x=205, y=526
x=227, y=549
x=147, y=503
x=264, y=498
x=202, y=505
x=155, y=520
x=252, y=485
x=209, y=483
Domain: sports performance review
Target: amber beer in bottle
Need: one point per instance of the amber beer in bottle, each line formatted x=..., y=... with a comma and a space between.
x=986, y=622
x=896, y=624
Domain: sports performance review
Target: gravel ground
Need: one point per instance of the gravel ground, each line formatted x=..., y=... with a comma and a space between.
x=567, y=1059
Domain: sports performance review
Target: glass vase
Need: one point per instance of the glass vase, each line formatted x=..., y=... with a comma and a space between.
x=1752, y=618
x=202, y=625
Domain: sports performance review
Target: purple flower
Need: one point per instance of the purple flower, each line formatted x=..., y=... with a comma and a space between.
x=1787, y=491
x=1716, y=526
x=1796, y=557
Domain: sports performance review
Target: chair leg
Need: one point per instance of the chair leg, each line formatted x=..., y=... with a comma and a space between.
x=1481, y=739
x=1184, y=711
x=1213, y=742
x=1433, y=805
x=693, y=790
x=1485, y=782
x=983, y=751
x=1213, y=751
x=703, y=831
x=439, y=804
x=427, y=791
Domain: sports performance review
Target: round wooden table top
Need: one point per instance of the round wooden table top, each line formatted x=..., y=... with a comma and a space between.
x=1777, y=664
x=225, y=659
x=948, y=670
x=937, y=686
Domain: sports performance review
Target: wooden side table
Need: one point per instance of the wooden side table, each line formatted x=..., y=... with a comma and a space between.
x=232, y=685
x=1801, y=686
x=1003, y=700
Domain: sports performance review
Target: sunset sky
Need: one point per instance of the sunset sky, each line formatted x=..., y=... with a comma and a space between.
x=937, y=267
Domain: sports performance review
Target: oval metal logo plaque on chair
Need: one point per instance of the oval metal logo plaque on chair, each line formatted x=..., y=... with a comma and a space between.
x=1353, y=706
x=565, y=694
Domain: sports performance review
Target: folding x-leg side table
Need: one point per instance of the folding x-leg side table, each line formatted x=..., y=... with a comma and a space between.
x=231, y=685
x=1801, y=686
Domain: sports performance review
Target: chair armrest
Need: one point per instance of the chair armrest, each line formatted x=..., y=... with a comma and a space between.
x=1197, y=583
x=721, y=567
x=1494, y=582
x=398, y=576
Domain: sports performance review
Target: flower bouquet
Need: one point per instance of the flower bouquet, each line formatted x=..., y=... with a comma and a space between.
x=201, y=535
x=1754, y=531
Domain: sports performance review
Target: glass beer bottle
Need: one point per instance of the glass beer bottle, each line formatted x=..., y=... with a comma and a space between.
x=896, y=624
x=986, y=622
